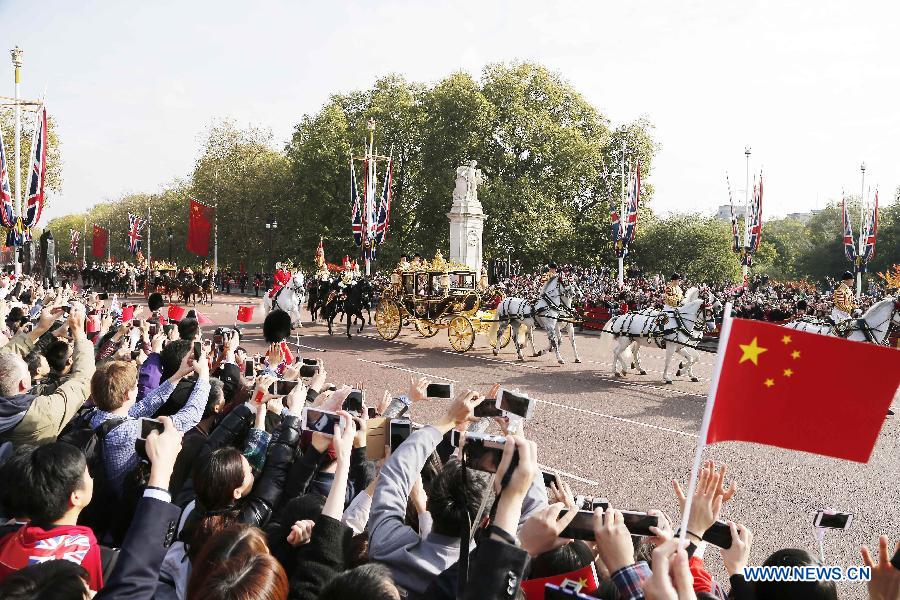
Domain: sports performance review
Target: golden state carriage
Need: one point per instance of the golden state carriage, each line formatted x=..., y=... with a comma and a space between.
x=435, y=296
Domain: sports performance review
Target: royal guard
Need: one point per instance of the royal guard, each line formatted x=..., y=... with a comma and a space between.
x=347, y=275
x=281, y=279
x=673, y=294
x=843, y=299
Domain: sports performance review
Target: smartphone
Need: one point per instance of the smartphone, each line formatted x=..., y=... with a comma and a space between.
x=308, y=370
x=103, y=296
x=718, y=534
x=639, y=523
x=398, y=431
x=148, y=425
x=310, y=361
x=249, y=368
x=454, y=438
x=373, y=414
x=354, y=402
x=439, y=390
x=515, y=403
x=833, y=521
x=487, y=408
x=135, y=322
x=321, y=421
x=282, y=387
x=549, y=478
x=154, y=329
x=197, y=351
x=579, y=528
x=483, y=452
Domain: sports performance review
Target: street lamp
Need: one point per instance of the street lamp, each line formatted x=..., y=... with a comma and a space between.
x=271, y=226
x=170, y=234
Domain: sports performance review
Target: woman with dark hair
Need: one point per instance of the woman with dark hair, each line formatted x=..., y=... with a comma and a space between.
x=235, y=564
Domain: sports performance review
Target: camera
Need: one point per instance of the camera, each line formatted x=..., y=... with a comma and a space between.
x=321, y=421
x=147, y=426
x=308, y=370
x=221, y=334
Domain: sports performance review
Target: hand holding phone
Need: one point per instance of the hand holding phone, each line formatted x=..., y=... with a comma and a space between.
x=439, y=390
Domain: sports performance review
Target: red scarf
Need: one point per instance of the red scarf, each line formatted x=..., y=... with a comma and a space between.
x=31, y=545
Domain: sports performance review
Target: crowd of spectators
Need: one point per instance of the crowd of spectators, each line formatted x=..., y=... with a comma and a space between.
x=148, y=459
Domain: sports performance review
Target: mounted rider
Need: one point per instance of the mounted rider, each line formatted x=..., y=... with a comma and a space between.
x=674, y=295
x=281, y=279
x=350, y=272
x=322, y=273
x=843, y=299
x=549, y=290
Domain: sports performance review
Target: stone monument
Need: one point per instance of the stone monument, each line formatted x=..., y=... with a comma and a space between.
x=466, y=218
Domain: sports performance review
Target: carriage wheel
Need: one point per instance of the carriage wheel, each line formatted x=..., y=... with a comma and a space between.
x=504, y=339
x=426, y=328
x=387, y=319
x=462, y=334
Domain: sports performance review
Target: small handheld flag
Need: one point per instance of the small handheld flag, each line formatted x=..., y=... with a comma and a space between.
x=245, y=314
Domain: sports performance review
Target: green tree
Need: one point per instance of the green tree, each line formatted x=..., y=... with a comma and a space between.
x=693, y=245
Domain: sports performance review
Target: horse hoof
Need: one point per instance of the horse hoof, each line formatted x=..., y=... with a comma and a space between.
x=680, y=365
x=496, y=352
x=349, y=337
x=694, y=379
x=522, y=359
x=643, y=372
x=668, y=381
x=577, y=360
x=678, y=373
x=562, y=362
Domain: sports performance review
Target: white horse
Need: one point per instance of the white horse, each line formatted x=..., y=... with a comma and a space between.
x=672, y=329
x=289, y=299
x=872, y=327
x=553, y=305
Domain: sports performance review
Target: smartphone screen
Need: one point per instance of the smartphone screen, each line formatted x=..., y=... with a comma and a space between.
x=135, y=322
x=484, y=452
x=148, y=425
x=308, y=370
x=639, y=523
x=372, y=412
x=487, y=408
x=321, y=421
x=719, y=534
x=282, y=387
x=400, y=429
x=154, y=329
x=310, y=361
x=835, y=521
x=354, y=401
x=249, y=368
x=197, y=351
x=514, y=403
x=439, y=390
x=548, y=478
x=579, y=528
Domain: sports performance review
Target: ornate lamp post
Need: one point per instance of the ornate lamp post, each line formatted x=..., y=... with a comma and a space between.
x=271, y=226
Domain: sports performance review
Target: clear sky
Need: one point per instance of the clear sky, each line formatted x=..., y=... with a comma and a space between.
x=811, y=86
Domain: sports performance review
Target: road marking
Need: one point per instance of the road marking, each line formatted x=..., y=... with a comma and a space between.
x=372, y=362
x=569, y=475
x=614, y=418
x=496, y=360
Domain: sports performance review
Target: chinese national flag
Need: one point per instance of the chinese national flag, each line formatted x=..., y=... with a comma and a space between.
x=803, y=391
x=245, y=314
x=199, y=228
x=101, y=237
x=176, y=313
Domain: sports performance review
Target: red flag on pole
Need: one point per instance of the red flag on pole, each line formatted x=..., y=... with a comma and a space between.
x=176, y=313
x=245, y=314
x=792, y=389
x=200, y=228
x=101, y=238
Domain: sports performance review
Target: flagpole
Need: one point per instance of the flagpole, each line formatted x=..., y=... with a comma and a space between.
x=108, y=242
x=707, y=414
x=216, y=227
x=744, y=268
x=370, y=190
x=622, y=222
x=17, y=64
x=862, y=213
x=148, y=237
x=84, y=247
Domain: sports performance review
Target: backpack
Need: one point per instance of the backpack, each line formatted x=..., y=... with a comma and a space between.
x=79, y=433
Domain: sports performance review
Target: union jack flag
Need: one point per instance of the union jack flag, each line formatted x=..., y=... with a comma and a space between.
x=384, y=207
x=35, y=199
x=849, y=244
x=870, y=233
x=75, y=236
x=6, y=208
x=73, y=548
x=135, y=224
x=355, y=217
x=631, y=206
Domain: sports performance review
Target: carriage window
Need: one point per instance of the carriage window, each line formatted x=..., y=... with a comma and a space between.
x=422, y=284
x=409, y=284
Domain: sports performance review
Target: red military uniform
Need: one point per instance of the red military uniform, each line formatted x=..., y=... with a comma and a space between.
x=280, y=280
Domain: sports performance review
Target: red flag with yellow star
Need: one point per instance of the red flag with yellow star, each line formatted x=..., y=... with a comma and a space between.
x=200, y=224
x=802, y=391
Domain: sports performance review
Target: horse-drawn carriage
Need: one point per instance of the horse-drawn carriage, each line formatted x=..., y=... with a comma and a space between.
x=434, y=299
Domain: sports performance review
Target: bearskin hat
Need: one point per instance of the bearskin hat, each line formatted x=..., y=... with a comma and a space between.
x=847, y=275
x=155, y=301
x=277, y=326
